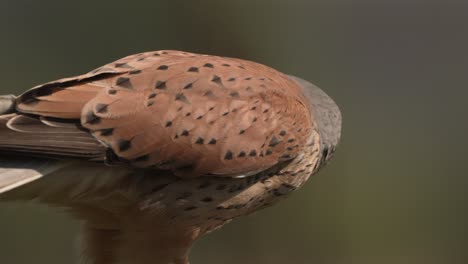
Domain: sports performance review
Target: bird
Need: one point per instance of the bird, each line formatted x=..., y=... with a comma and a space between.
x=157, y=149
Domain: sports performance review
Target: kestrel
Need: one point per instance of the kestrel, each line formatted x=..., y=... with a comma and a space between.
x=156, y=149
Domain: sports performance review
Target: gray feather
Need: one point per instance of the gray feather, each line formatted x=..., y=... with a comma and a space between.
x=327, y=114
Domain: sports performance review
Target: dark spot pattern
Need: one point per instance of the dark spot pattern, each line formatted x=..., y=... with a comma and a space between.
x=253, y=153
x=101, y=108
x=124, y=145
x=242, y=154
x=234, y=94
x=282, y=133
x=152, y=95
x=135, y=72
x=168, y=123
x=112, y=91
x=181, y=97
x=208, y=65
x=228, y=155
x=91, y=118
x=212, y=141
x=160, y=85
x=123, y=65
x=124, y=82
x=188, y=86
x=274, y=142
x=184, y=133
x=216, y=79
x=208, y=93
x=163, y=67
x=200, y=141
x=193, y=69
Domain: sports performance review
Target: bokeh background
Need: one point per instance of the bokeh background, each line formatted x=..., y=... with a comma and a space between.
x=396, y=191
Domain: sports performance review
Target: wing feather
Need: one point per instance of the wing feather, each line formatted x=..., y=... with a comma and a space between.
x=29, y=135
x=192, y=114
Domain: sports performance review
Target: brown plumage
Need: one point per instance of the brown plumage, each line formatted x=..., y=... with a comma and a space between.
x=189, y=141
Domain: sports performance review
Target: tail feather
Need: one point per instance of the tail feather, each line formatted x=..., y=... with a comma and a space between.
x=7, y=104
x=32, y=147
x=15, y=172
x=53, y=138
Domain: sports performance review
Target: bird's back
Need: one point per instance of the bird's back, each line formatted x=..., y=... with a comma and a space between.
x=170, y=142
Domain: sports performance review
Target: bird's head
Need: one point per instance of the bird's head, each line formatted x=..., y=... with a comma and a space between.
x=327, y=118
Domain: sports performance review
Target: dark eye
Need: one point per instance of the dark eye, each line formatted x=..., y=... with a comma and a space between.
x=324, y=157
x=325, y=153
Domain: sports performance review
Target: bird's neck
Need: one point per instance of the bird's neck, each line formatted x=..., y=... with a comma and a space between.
x=136, y=246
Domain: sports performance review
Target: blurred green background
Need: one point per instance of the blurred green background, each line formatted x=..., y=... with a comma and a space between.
x=396, y=191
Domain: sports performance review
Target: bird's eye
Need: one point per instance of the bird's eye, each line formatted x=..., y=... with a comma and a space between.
x=325, y=152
